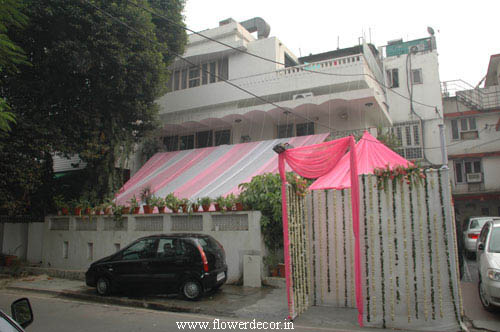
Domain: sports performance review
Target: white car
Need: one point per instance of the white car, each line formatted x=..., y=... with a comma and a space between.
x=22, y=316
x=488, y=258
x=472, y=228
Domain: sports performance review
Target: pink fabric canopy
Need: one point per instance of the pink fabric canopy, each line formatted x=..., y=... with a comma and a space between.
x=315, y=161
x=370, y=154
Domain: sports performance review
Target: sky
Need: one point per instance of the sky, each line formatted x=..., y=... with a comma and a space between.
x=467, y=32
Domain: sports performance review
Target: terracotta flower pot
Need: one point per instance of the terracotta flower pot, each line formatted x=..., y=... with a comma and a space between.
x=87, y=211
x=175, y=210
x=195, y=207
x=97, y=212
x=184, y=208
x=136, y=210
x=281, y=270
x=9, y=259
x=239, y=206
x=107, y=210
x=125, y=210
x=147, y=209
x=64, y=211
x=206, y=208
x=217, y=207
x=161, y=209
x=77, y=211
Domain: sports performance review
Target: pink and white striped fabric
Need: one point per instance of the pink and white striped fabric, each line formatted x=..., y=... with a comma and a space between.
x=211, y=171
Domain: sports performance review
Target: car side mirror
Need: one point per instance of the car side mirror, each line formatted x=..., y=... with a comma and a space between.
x=21, y=312
x=480, y=246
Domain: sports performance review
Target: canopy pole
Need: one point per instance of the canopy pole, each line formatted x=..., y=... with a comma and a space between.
x=286, y=240
x=355, y=226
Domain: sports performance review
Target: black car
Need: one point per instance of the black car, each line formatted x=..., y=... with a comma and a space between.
x=190, y=264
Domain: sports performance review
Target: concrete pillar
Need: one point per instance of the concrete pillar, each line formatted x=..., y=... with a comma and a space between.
x=251, y=270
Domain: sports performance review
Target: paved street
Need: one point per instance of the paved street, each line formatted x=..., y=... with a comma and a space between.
x=54, y=314
x=472, y=304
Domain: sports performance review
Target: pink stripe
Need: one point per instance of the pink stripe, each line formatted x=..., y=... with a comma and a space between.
x=151, y=165
x=235, y=154
x=163, y=178
x=271, y=166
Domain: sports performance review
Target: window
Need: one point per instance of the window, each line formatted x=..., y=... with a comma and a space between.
x=205, y=73
x=187, y=142
x=90, y=251
x=203, y=139
x=464, y=129
x=393, y=78
x=65, y=249
x=416, y=76
x=194, y=77
x=140, y=250
x=171, y=143
x=222, y=137
x=304, y=129
x=408, y=136
x=285, y=131
x=170, y=247
x=485, y=211
x=464, y=167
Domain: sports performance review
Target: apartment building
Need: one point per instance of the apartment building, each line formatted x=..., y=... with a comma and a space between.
x=472, y=118
x=253, y=88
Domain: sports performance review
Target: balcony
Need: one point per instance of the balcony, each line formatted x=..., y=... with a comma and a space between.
x=481, y=99
x=346, y=84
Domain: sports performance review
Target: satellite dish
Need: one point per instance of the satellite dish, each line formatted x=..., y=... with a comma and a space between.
x=430, y=31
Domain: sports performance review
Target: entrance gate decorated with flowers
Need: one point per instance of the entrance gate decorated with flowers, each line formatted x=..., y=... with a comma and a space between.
x=408, y=251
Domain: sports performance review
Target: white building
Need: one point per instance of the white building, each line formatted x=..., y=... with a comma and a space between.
x=340, y=92
x=472, y=118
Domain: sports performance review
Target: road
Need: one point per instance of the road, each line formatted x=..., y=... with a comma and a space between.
x=54, y=314
x=472, y=304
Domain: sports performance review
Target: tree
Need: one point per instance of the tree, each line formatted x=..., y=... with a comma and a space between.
x=92, y=85
x=11, y=55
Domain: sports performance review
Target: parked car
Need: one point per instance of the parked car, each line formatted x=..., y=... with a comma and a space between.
x=190, y=264
x=472, y=228
x=488, y=258
x=22, y=316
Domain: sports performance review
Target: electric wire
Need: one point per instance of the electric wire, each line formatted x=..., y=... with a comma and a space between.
x=215, y=75
x=271, y=60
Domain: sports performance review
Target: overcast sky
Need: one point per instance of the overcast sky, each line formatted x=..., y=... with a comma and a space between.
x=467, y=32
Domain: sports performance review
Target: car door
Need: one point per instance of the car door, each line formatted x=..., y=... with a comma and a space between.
x=131, y=268
x=169, y=263
x=480, y=256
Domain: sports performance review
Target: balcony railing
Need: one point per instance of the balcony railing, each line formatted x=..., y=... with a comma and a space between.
x=473, y=97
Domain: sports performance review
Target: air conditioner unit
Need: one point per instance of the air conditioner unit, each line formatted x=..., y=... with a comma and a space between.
x=302, y=95
x=474, y=177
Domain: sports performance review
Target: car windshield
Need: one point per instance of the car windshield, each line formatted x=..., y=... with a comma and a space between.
x=478, y=223
x=494, y=245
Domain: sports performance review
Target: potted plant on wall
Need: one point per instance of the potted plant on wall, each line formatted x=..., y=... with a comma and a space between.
x=205, y=203
x=172, y=202
x=159, y=203
x=61, y=205
x=238, y=203
x=229, y=202
x=134, y=205
x=195, y=204
x=219, y=203
x=184, y=204
x=146, y=197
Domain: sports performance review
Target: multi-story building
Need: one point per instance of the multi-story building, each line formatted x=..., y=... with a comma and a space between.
x=222, y=94
x=472, y=118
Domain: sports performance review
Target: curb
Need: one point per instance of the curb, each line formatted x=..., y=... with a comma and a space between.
x=109, y=300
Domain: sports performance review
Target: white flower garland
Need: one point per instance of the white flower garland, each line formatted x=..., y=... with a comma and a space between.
x=372, y=246
x=391, y=261
x=405, y=250
x=337, y=299
x=421, y=230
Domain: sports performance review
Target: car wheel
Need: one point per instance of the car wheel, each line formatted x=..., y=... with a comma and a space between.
x=103, y=286
x=191, y=290
x=484, y=299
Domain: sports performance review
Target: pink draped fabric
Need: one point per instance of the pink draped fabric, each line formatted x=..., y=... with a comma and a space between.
x=370, y=153
x=313, y=162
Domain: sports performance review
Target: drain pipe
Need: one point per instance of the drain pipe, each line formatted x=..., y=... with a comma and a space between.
x=444, y=155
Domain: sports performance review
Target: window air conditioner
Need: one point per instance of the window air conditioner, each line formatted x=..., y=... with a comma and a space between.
x=302, y=95
x=474, y=177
